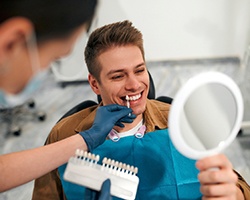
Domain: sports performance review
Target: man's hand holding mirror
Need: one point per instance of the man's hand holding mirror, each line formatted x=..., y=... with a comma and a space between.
x=204, y=119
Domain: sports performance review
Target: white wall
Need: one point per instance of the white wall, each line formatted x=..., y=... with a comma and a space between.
x=174, y=29
x=181, y=29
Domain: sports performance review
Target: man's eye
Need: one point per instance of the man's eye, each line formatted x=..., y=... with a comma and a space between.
x=117, y=77
x=140, y=71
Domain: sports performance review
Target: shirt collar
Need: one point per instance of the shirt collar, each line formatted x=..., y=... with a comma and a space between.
x=156, y=115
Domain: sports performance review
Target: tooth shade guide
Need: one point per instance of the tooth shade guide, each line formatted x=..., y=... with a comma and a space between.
x=83, y=169
x=128, y=104
x=127, y=99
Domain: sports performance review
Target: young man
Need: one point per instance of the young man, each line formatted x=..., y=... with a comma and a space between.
x=115, y=58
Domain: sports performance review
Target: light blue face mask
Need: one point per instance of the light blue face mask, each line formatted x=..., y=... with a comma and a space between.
x=12, y=100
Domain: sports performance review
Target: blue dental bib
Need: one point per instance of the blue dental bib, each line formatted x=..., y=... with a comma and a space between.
x=163, y=172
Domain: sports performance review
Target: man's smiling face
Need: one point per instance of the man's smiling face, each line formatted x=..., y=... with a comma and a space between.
x=123, y=72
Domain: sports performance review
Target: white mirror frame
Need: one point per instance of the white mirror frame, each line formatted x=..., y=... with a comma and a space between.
x=177, y=107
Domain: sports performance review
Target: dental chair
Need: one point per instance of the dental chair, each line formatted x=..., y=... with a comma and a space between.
x=15, y=117
x=88, y=103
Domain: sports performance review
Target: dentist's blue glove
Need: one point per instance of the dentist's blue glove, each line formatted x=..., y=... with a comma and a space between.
x=106, y=118
x=104, y=194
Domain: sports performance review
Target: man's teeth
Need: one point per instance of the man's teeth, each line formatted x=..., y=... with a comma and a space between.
x=133, y=98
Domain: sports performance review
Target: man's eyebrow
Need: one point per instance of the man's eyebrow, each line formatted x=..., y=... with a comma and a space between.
x=115, y=71
x=139, y=65
x=121, y=70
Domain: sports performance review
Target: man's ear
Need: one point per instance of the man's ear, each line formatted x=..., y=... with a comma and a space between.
x=94, y=84
x=13, y=33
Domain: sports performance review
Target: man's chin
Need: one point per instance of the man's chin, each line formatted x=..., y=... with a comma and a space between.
x=138, y=111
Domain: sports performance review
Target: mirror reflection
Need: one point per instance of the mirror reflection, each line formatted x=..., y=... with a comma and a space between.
x=205, y=115
x=207, y=120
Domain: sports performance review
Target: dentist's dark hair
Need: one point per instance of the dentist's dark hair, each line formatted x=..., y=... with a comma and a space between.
x=51, y=18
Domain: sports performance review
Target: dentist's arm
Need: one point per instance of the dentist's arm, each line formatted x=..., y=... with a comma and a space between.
x=21, y=167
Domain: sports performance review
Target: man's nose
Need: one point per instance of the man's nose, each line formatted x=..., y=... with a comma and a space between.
x=132, y=83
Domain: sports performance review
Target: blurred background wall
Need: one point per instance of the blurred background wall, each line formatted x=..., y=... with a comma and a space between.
x=207, y=34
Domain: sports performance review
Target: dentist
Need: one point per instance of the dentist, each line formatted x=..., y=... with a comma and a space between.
x=32, y=35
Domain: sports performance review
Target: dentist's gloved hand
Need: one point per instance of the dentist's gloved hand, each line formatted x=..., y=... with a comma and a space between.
x=104, y=194
x=106, y=118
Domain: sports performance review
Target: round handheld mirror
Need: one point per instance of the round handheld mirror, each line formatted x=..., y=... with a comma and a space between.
x=205, y=115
